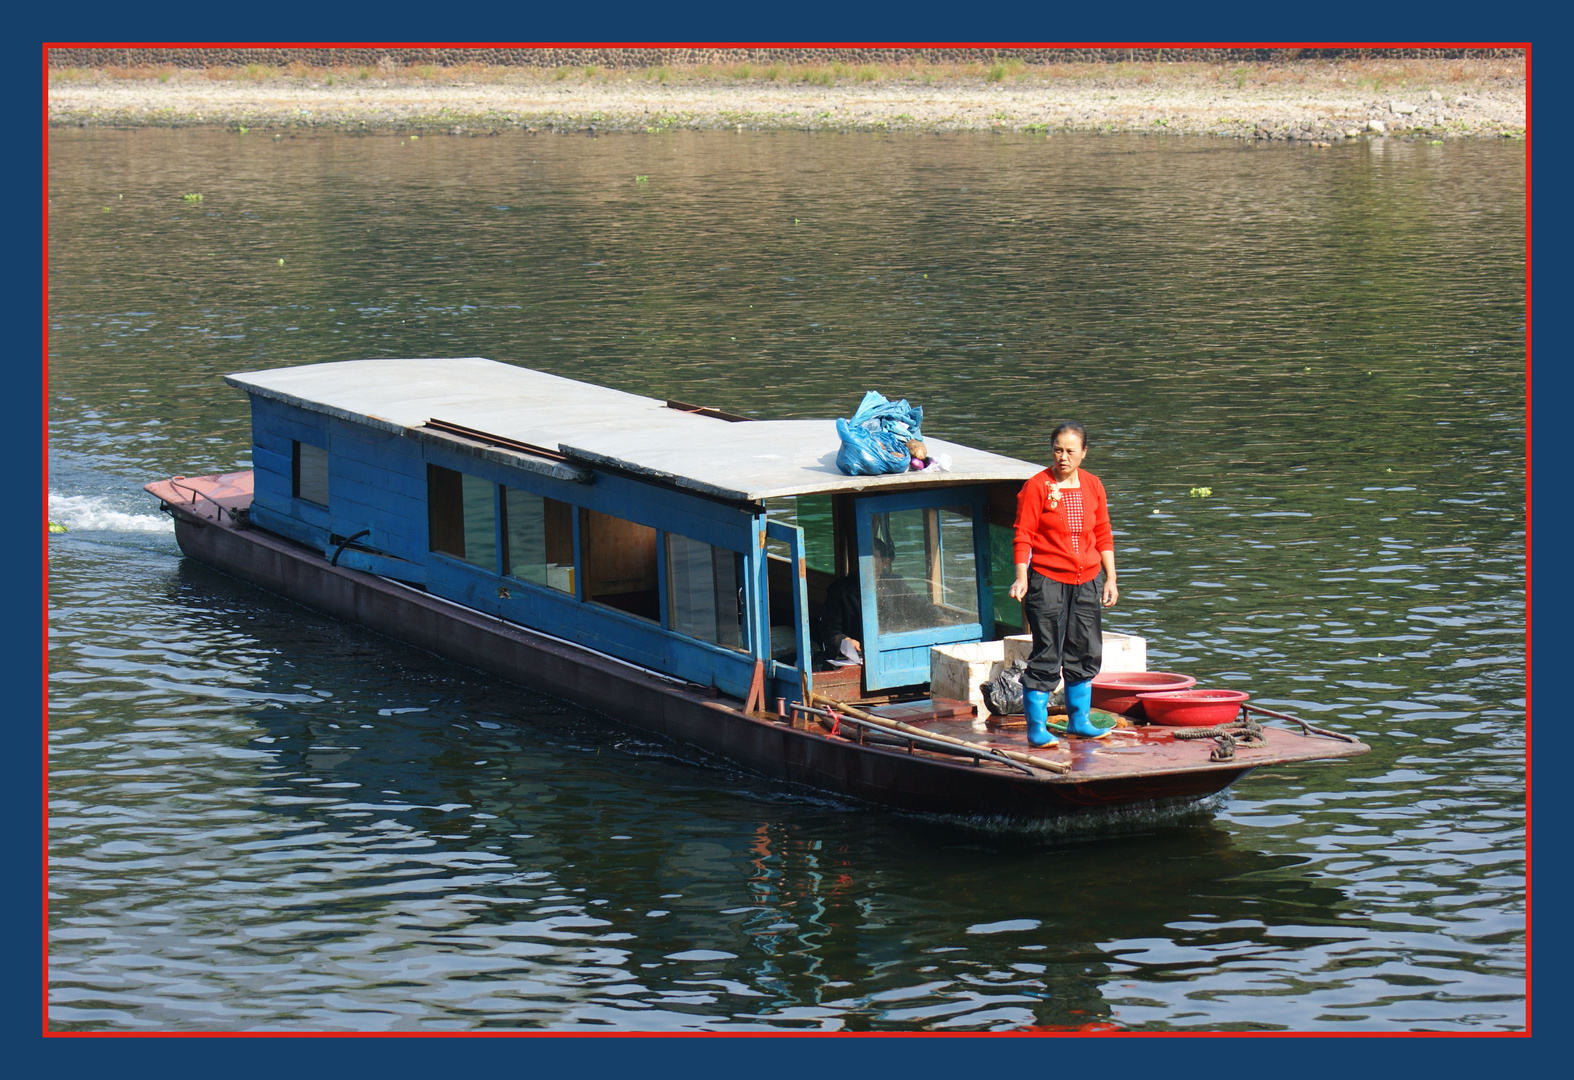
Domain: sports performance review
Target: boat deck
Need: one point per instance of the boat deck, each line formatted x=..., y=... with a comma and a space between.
x=1134, y=751
x=213, y=498
x=1150, y=749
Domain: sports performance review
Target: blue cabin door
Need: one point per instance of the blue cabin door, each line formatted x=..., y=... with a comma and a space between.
x=792, y=536
x=923, y=565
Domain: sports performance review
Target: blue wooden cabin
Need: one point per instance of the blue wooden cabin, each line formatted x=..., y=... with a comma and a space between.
x=680, y=538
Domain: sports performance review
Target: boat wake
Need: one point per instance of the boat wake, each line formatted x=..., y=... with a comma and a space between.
x=95, y=513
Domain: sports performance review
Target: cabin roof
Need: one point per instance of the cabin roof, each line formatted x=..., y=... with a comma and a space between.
x=600, y=426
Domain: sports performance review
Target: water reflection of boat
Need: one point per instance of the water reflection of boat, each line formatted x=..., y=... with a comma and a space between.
x=662, y=563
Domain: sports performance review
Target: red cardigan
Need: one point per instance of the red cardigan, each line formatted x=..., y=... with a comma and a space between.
x=1043, y=532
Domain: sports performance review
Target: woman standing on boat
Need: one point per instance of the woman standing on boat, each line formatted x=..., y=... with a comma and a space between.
x=1063, y=540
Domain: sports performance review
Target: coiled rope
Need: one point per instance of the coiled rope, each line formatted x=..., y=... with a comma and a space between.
x=1242, y=731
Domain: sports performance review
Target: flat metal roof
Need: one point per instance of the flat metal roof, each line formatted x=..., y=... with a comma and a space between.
x=748, y=461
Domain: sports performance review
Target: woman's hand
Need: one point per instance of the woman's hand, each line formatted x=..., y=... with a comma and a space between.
x=1018, y=588
x=1111, y=591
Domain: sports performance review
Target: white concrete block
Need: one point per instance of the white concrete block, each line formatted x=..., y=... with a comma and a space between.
x=1122, y=652
x=959, y=671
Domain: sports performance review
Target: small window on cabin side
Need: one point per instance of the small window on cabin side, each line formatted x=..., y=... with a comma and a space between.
x=311, y=473
x=705, y=592
x=618, y=558
x=462, y=516
x=538, y=539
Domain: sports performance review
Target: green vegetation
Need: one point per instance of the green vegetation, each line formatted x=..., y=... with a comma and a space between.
x=1000, y=69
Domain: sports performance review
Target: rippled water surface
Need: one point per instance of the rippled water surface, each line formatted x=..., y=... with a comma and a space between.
x=265, y=819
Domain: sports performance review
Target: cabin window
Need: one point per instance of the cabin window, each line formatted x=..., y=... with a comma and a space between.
x=819, y=538
x=462, y=516
x=812, y=514
x=932, y=578
x=538, y=539
x=310, y=481
x=816, y=515
x=705, y=592
x=618, y=559
x=1003, y=571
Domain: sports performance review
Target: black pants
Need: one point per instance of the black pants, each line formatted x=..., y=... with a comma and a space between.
x=1067, y=622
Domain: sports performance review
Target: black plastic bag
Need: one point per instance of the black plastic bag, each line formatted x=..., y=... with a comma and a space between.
x=1003, y=693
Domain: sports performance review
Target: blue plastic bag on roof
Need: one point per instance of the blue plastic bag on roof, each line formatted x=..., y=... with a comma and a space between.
x=874, y=439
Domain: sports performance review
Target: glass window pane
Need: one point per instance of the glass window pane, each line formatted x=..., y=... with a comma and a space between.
x=445, y=511
x=926, y=569
x=819, y=542
x=1003, y=571
x=480, y=514
x=619, y=563
x=958, y=563
x=704, y=592
x=540, y=539
x=812, y=514
x=311, y=473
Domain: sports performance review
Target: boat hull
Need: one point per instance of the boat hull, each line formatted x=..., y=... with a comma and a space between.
x=694, y=716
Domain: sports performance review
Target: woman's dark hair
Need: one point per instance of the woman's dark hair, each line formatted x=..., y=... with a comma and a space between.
x=1072, y=426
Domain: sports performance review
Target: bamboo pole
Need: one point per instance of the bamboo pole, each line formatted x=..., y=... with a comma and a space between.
x=908, y=729
x=926, y=740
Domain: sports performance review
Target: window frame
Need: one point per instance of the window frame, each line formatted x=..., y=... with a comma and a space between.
x=297, y=447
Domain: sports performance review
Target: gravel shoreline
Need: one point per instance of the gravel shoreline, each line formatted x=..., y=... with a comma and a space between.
x=1314, y=102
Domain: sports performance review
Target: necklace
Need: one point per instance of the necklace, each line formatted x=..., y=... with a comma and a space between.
x=1057, y=486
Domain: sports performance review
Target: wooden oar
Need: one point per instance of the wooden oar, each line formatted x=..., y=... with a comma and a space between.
x=907, y=729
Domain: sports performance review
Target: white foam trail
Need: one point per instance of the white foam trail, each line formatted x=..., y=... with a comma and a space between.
x=91, y=513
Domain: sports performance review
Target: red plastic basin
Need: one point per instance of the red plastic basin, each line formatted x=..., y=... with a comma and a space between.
x=1193, y=708
x=1117, y=691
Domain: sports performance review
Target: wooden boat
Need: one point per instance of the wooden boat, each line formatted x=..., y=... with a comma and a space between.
x=662, y=563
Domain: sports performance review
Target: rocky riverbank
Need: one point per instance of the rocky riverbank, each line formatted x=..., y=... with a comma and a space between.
x=1316, y=102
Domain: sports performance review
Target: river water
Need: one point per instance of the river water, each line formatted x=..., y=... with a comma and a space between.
x=264, y=819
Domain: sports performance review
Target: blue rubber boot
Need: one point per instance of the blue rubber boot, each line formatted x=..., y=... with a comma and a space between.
x=1035, y=704
x=1079, y=699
